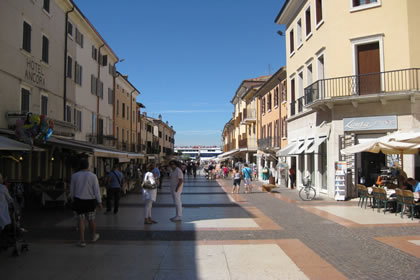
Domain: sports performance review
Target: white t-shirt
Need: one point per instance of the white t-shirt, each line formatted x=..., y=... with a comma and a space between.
x=85, y=185
x=149, y=176
x=176, y=175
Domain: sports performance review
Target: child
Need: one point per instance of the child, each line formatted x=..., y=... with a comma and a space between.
x=236, y=180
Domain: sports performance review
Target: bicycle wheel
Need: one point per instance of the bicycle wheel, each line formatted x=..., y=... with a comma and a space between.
x=307, y=193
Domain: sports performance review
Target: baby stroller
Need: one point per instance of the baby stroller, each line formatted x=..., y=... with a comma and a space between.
x=12, y=234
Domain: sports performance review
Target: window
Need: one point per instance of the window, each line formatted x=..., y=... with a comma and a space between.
x=46, y=6
x=45, y=48
x=26, y=43
x=321, y=74
x=70, y=29
x=269, y=102
x=123, y=110
x=118, y=133
x=128, y=136
x=78, y=73
x=263, y=106
x=100, y=92
x=118, y=107
x=69, y=66
x=276, y=97
x=93, y=84
x=292, y=90
x=357, y=3
x=299, y=32
x=44, y=105
x=68, y=113
x=283, y=127
x=79, y=38
x=103, y=60
x=308, y=21
x=94, y=123
x=309, y=78
x=111, y=69
x=291, y=42
x=94, y=53
x=25, y=100
x=300, y=84
x=319, y=15
x=110, y=96
x=122, y=134
x=78, y=119
x=283, y=91
x=160, y=134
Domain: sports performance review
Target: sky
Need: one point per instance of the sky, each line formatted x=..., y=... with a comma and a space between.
x=188, y=57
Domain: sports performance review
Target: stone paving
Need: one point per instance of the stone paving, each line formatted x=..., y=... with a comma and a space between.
x=224, y=236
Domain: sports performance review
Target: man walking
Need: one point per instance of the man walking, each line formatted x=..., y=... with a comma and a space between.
x=84, y=190
x=115, y=179
x=177, y=183
x=247, y=172
x=157, y=175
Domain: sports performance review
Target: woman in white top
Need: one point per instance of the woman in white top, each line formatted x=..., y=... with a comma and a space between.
x=5, y=199
x=149, y=195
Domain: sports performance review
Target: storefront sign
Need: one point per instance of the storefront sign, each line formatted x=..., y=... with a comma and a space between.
x=34, y=72
x=370, y=123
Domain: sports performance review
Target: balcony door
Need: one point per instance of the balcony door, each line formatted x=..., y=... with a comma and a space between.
x=369, y=67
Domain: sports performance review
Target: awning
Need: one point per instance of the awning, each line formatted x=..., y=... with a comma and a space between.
x=70, y=144
x=123, y=159
x=300, y=147
x=228, y=153
x=285, y=151
x=135, y=155
x=318, y=141
x=7, y=144
x=109, y=153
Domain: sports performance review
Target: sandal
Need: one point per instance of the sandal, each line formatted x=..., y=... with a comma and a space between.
x=147, y=222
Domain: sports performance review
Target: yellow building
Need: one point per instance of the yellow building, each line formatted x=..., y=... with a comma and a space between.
x=352, y=76
x=271, y=124
x=125, y=114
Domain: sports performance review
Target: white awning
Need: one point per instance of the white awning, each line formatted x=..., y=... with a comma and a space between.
x=285, y=151
x=135, y=155
x=228, y=153
x=109, y=153
x=318, y=141
x=7, y=144
x=300, y=148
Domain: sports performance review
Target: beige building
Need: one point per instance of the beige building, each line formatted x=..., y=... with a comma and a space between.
x=353, y=75
x=126, y=114
x=271, y=122
x=166, y=140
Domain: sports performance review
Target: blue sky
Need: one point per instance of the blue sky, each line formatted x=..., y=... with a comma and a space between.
x=188, y=57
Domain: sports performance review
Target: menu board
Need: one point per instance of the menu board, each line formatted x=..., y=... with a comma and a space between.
x=340, y=185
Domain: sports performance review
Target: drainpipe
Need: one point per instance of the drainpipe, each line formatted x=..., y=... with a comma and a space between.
x=97, y=96
x=65, y=63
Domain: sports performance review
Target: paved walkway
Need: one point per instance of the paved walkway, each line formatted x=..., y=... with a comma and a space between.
x=224, y=236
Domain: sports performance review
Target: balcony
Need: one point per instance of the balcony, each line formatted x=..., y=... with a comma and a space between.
x=292, y=108
x=249, y=116
x=252, y=143
x=243, y=143
x=367, y=85
x=269, y=143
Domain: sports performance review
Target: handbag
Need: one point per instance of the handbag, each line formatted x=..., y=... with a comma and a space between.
x=148, y=185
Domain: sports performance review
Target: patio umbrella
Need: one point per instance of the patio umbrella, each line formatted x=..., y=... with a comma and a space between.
x=384, y=146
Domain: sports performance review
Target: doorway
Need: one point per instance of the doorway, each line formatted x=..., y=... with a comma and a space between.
x=368, y=68
x=371, y=165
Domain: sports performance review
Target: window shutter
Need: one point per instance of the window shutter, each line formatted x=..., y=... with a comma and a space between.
x=80, y=74
x=81, y=40
x=92, y=84
x=104, y=60
x=69, y=66
x=93, y=52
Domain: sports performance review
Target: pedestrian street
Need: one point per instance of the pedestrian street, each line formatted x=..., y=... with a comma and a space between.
x=222, y=236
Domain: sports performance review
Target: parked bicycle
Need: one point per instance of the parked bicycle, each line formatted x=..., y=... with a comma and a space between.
x=307, y=192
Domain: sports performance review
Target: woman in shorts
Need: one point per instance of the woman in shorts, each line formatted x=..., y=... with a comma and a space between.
x=236, y=180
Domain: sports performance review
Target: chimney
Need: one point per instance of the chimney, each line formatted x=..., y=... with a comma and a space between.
x=160, y=117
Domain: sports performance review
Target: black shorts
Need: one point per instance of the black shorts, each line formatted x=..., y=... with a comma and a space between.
x=83, y=206
x=237, y=182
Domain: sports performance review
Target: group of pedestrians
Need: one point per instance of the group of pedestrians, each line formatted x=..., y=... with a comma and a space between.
x=86, y=196
x=246, y=174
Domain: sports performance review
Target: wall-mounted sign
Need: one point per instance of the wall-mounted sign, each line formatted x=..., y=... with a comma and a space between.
x=34, y=72
x=370, y=123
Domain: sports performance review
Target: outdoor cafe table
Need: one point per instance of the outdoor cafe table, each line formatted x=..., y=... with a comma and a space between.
x=390, y=192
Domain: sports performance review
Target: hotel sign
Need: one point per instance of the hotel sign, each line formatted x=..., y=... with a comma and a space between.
x=34, y=72
x=370, y=123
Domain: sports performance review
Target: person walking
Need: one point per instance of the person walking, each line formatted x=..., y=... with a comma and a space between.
x=115, y=182
x=194, y=169
x=292, y=176
x=177, y=184
x=247, y=173
x=5, y=200
x=157, y=174
x=86, y=196
x=236, y=180
x=149, y=194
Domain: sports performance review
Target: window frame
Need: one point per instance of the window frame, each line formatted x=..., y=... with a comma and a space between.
x=299, y=34
x=311, y=66
x=70, y=34
x=269, y=102
x=68, y=109
x=321, y=21
x=69, y=67
x=47, y=49
x=48, y=6
x=276, y=97
x=30, y=37
x=45, y=95
x=27, y=88
x=353, y=8
x=308, y=35
x=78, y=74
x=291, y=42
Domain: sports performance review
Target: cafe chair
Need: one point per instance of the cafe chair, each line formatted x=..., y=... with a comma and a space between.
x=364, y=195
x=382, y=198
x=408, y=199
x=400, y=202
x=376, y=200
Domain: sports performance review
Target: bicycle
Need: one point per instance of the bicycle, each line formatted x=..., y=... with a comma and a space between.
x=308, y=192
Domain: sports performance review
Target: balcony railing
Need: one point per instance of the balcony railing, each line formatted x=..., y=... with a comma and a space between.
x=300, y=102
x=243, y=143
x=252, y=143
x=269, y=142
x=404, y=80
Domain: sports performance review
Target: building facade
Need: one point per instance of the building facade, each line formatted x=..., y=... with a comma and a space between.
x=353, y=75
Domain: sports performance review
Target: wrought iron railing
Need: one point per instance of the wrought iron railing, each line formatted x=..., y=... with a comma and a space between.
x=292, y=108
x=373, y=83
